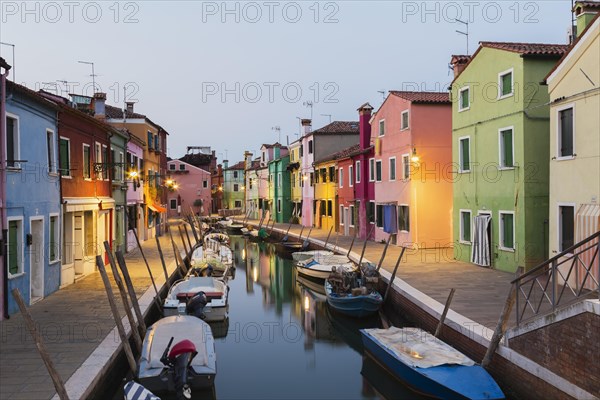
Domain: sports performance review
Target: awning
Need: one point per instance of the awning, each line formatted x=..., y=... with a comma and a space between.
x=157, y=208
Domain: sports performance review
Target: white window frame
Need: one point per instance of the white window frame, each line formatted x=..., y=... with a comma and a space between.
x=381, y=169
x=236, y=202
x=341, y=177
x=350, y=215
x=374, y=212
x=341, y=214
x=394, y=169
x=17, y=165
x=105, y=171
x=53, y=163
x=405, y=162
x=56, y=235
x=501, y=231
x=69, y=176
x=20, y=246
x=171, y=204
x=460, y=157
x=350, y=176
x=279, y=179
x=461, y=226
x=236, y=187
x=279, y=206
x=512, y=87
x=91, y=164
x=172, y=167
x=379, y=124
x=205, y=183
x=404, y=128
x=357, y=172
x=460, y=91
x=371, y=170
x=558, y=144
x=559, y=222
x=501, y=147
x=407, y=206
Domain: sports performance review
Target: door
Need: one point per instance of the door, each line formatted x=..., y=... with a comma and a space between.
x=482, y=240
x=78, y=243
x=36, y=259
x=346, y=222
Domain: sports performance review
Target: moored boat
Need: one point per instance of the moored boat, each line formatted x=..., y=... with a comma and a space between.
x=428, y=365
x=306, y=255
x=354, y=293
x=190, y=364
x=317, y=270
x=204, y=297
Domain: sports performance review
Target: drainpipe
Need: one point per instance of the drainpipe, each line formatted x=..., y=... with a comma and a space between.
x=3, y=222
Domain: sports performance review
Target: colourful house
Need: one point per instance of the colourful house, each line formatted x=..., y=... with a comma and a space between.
x=500, y=150
x=251, y=183
x=413, y=149
x=4, y=71
x=280, y=187
x=575, y=144
x=346, y=198
x=135, y=189
x=326, y=202
x=189, y=189
x=217, y=189
x=233, y=187
x=296, y=181
x=118, y=169
x=32, y=187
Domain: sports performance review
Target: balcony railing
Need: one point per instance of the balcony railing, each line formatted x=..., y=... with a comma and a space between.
x=565, y=279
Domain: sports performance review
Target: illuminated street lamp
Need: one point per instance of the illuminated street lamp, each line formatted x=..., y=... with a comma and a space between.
x=415, y=157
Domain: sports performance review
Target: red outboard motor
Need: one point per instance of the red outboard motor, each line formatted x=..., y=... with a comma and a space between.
x=178, y=361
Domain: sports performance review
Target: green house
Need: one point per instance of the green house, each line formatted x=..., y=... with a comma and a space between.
x=280, y=190
x=500, y=153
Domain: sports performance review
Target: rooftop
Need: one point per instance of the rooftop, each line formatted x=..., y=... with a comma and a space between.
x=423, y=97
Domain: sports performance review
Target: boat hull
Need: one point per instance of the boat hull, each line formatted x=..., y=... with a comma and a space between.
x=313, y=273
x=356, y=306
x=440, y=382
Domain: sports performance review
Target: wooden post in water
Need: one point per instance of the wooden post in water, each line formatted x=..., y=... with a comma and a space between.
x=177, y=255
x=500, y=327
x=384, y=252
x=362, y=253
x=137, y=239
x=187, y=235
x=116, y=315
x=438, y=330
x=301, y=231
x=41, y=347
x=285, y=237
x=126, y=305
x=328, y=235
x=162, y=260
x=387, y=290
x=352, y=244
x=187, y=252
x=193, y=228
x=131, y=291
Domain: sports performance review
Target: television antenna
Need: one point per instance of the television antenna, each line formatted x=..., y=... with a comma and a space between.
x=277, y=128
x=327, y=115
x=465, y=33
x=93, y=75
x=14, y=61
x=382, y=93
x=309, y=104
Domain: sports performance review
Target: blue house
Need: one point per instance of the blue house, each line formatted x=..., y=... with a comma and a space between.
x=32, y=195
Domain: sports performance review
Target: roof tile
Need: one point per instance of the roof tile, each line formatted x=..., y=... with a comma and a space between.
x=423, y=97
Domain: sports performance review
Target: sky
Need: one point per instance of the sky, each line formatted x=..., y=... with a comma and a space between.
x=227, y=74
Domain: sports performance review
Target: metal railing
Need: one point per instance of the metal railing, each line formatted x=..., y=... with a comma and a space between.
x=544, y=288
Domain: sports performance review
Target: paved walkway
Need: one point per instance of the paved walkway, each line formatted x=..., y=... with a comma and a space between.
x=73, y=322
x=480, y=292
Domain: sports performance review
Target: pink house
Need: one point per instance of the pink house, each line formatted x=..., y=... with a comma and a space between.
x=135, y=189
x=188, y=188
x=411, y=169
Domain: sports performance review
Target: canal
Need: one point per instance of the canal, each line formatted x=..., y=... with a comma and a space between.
x=282, y=342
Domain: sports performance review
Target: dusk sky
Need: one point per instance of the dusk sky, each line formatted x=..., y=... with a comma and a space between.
x=225, y=79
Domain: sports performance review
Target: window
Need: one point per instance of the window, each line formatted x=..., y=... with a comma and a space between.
x=403, y=219
x=312, y=178
x=318, y=177
x=464, y=102
x=182, y=167
x=12, y=142
x=120, y=166
x=279, y=206
x=65, y=157
x=465, y=226
x=51, y=152
x=358, y=172
x=507, y=230
x=263, y=156
x=350, y=176
x=301, y=150
x=150, y=140
x=341, y=176
x=205, y=183
x=506, y=148
x=330, y=208
x=565, y=132
x=279, y=179
x=404, y=120
x=332, y=174
x=379, y=215
x=86, y=162
x=238, y=204
x=173, y=204
x=323, y=172
x=464, y=154
x=341, y=215
x=105, y=162
x=156, y=145
x=505, y=83
x=235, y=174
x=310, y=147
x=405, y=166
x=371, y=170
x=382, y=127
x=351, y=215
x=392, y=168
x=15, y=247
x=54, y=242
x=171, y=167
x=566, y=227
x=236, y=187
x=371, y=212
x=378, y=171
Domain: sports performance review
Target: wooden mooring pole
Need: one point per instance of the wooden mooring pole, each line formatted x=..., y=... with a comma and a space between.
x=178, y=260
x=116, y=315
x=162, y=259
x=387, y=290
x=362, y=253
x=500, y=327
x=352, y=244
x=327, y=240
x=41, y=347
x=188, y=237
x=187, y=252
x=137, y=239
x=438, y=330
x=387, y=244
x=131, y=291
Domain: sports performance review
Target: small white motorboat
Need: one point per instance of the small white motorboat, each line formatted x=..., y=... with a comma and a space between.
x=306, y=255
x=222, y=238
x=201, y=296
x=190, y=364
x=317, y=270
x=212, y=250
x=134, y=391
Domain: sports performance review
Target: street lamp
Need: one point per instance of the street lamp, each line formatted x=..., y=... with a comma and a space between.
x=415, y=157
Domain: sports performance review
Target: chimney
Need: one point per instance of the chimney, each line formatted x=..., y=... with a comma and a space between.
x=364, y=113
x=458, y=63
x=276, y=151
x=100, y=106
x=306, y=126
x=129, y=107
x=225, y=164
x=248, y=159
x=585, y=11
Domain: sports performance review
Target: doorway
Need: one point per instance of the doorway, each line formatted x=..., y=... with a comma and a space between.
x=346, y=222
x=482, y=240
x=36, y=259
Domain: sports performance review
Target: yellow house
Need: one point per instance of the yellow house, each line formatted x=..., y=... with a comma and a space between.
x=574, y=88
x=296, y=181
x=326, y=202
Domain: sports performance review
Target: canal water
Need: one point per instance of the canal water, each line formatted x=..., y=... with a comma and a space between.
x=281, y=341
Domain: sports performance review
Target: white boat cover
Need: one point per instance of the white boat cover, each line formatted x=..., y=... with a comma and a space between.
x=304, y=255
x=179, y=327
x=331, y=259
x=196, y=284
x=418, y=348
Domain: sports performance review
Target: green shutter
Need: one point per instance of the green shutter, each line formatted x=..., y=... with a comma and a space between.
x=508, y=227
x=52, y=239
x=464, y=155
x=507, y=142
x=464, y=99
x=507, y=84
x=13, y=248
x=64, y=158
x=466, y=226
